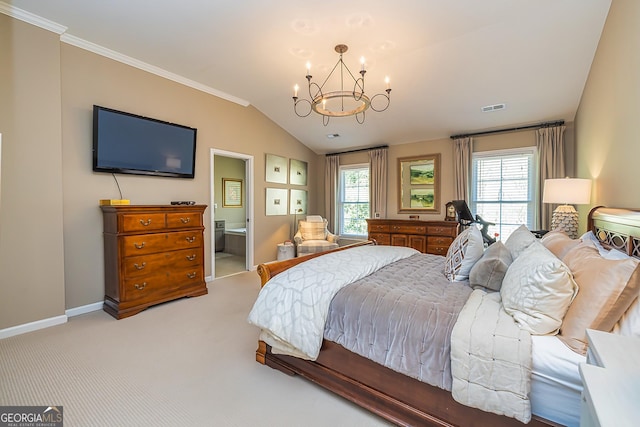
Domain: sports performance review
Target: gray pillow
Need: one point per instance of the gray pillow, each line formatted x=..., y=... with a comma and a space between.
x=489, y=271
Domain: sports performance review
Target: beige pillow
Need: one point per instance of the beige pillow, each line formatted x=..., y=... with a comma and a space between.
x=313, y=230
x=519, y=240
x=489, y=271
x=607, y=289
x=537, y=290
x=559, y=243
x=463, y=253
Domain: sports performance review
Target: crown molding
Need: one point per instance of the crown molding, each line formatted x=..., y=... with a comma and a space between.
x=117, y=56
x=31, y=18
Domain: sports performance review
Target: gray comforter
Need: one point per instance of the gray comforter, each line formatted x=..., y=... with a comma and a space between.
x=401, y=317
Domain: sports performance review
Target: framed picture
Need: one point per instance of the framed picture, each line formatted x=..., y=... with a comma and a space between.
x=297, y=172
x=231, y=193
x=419, y=184
x=276, y=169
x=276, y=201
x=298, y=203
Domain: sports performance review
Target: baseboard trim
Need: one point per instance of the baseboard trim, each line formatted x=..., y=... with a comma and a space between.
x=83, y=309
x=32, y=326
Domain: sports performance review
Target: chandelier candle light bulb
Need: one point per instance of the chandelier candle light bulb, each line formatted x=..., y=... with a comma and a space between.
x=342, y=101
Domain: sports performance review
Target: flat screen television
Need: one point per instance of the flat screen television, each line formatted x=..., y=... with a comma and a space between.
x=127, y=143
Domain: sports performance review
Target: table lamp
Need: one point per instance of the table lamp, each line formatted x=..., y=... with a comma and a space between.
x=568, y=191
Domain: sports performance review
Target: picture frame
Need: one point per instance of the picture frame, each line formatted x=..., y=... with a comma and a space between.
x=419, y=184
x=298, y=202
x=276, y=169
x=297, y=172
x=276, y=201
x=231, y=193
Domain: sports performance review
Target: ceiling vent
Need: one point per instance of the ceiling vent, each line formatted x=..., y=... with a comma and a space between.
x=333, y=135
x=495, y=107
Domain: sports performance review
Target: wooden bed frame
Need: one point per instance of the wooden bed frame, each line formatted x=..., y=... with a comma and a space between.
x=404, y=400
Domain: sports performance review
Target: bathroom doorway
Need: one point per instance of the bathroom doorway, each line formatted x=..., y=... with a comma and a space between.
x=231, y=212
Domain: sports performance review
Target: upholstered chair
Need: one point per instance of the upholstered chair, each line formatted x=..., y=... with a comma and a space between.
x=313, y=237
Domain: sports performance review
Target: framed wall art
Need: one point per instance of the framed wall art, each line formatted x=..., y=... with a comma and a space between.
x=276, y=169
x=419, y=184
x=276, y=203
x=231, y=193
x=298, y=203
x=297, y=172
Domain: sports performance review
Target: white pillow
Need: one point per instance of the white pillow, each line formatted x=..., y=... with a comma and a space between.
x=590, y=237
x=463, y=253
x=629, y=323
x=519, y=240
x=537, y=290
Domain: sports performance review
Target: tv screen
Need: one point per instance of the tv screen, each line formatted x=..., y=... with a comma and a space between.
x=127, y=143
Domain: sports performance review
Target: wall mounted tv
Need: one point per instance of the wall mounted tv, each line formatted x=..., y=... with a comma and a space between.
x=127, y=143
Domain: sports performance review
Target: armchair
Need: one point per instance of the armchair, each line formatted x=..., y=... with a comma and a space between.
x=313, y=237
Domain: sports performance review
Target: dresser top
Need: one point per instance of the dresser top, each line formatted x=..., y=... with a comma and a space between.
x=151, y=208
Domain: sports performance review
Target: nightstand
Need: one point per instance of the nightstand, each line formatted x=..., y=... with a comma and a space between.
x=611, y=380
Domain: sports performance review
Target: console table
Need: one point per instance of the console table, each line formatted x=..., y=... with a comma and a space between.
x=432, y=237
x=152, y=254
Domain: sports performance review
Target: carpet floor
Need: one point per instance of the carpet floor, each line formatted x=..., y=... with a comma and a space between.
x=189, y=362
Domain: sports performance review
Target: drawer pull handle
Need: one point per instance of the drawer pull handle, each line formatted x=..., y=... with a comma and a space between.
x=140, y=287
x=190, y=239
x=145, y=223
x=191, y=257
x=192, y=275
x=139, y=246
x=185, y=220
x=140, y=267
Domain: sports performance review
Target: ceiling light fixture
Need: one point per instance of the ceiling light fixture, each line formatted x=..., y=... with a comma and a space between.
x=340, y=103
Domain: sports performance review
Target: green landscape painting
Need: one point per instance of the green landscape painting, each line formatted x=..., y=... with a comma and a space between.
x=422, y=198
x=422, y=174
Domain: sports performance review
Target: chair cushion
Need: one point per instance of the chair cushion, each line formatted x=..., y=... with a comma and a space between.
x=313, y=230
x=314, y=246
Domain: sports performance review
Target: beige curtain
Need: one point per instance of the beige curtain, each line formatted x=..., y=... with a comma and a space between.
x=331, y=170
x=462, y=150
x=550, y=143
x=378, y=179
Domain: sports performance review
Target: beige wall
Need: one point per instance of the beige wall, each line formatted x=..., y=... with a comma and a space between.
x=608, y=119
x=31, y=236
x=51, y=254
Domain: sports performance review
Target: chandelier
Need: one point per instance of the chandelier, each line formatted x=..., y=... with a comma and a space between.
x=340, y=103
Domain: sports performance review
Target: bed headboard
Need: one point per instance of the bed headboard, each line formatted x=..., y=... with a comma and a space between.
x=617, y=228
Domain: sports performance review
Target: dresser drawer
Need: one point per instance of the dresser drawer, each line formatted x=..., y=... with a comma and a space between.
x=161, y=283
x=144, y=265
x=160, y=242
x=439, y=241
x=143, y=222
x=380, y=228
x=436, y=230
x=183, y=220
x=437, y=249
x=380, y=238
x=409, y=229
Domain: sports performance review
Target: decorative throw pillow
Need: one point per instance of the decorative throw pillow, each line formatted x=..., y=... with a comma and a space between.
x=559, y=243
x=519, y=240
x=463, y=253
x=489, y=271
x=537, y=290
x=607, y=289
x=313, y=230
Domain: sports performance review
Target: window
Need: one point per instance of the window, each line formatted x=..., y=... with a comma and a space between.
x=503, y=189
x=353, y=200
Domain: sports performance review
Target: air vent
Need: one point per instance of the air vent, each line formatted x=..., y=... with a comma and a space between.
x=333, y=135
x=495, y=107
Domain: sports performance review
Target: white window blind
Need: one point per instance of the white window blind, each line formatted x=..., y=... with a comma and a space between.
x=353, y=200
x=504, y=188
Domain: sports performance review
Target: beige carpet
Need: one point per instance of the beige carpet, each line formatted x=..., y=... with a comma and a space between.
x=189, y=362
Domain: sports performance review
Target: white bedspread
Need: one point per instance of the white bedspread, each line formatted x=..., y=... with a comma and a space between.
x=292, y=307
x=491, y=358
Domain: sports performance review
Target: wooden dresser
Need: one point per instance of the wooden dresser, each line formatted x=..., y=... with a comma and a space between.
x=152, y=254
x=432, y=237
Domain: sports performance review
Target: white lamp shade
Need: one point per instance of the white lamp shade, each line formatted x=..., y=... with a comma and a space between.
x=574, y=191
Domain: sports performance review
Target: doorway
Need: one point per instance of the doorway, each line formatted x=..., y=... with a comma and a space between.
x=231, y=212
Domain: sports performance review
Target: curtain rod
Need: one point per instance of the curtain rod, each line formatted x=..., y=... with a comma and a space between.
x=358, y=150
x=538, y=126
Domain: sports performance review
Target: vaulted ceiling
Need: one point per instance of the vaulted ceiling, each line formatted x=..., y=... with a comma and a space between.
x=446, y=59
